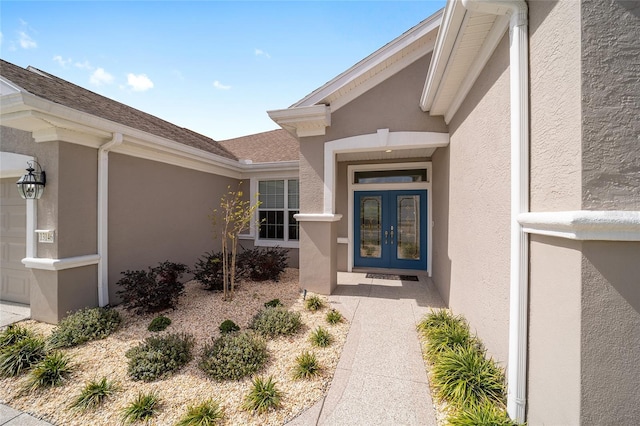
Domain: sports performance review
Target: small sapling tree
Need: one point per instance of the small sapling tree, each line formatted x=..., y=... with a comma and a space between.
x=235, y=215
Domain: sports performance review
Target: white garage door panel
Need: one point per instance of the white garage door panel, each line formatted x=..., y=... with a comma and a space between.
x=16, y=279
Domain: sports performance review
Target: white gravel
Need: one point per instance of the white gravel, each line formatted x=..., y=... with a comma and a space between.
x=199, y=313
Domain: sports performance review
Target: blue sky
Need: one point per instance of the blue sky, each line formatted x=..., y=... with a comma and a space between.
x=214, y=67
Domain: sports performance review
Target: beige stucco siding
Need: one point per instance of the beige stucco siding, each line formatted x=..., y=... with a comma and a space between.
x=553, y=387
x=610, y=338
x=311, y=174
x=159, y=212
x=610, y=103
x=471, y=231
x=393, y=104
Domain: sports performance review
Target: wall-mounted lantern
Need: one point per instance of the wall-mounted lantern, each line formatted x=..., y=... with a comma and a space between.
x=31, y=185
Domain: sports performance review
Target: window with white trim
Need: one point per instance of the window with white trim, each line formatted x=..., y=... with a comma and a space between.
x=280, y=200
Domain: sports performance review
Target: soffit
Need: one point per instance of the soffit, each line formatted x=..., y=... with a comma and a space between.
x=383, y=155
x=464, y=45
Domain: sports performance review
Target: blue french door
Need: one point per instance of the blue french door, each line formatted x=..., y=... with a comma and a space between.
x=390, y=229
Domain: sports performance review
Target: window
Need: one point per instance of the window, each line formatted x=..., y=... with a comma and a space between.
x=279, y=202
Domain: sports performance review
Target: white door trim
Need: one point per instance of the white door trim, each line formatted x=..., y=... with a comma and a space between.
x=352, y=187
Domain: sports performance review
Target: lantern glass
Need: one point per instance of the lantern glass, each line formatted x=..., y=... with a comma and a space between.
x=31, y=185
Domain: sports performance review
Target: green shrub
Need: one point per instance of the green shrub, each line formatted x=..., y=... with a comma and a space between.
x=485, y=414
x=157, y=357
x=233, y=356
x=273, y=303
x=264, y=396
x=438, y=319
x=314, y=303
x=143, y=407
x=208, y=413
x=152, y=291
x=159, y=323
x=13, y=334
x=321, y=337
x=449, y=336
x=54, y=369
x=263, y=263
x=21, y=356
x=208, y=270
x=334, y=317
x=83, y=326
x=228, y=326
x=273, y=322
x=307, y=366
x=463, y=376
x=93, y=394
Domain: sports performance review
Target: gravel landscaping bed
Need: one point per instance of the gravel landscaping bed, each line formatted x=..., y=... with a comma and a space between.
x=199, y=313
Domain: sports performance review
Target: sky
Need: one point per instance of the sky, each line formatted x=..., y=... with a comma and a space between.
x=214, y=67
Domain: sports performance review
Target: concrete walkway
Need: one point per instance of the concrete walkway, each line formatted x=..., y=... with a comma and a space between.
x=380, y=378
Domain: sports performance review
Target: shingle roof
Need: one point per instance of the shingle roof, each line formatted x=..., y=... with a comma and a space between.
x=272, y=146
x=57, y=90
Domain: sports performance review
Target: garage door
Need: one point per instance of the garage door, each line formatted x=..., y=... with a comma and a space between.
x=16, y=279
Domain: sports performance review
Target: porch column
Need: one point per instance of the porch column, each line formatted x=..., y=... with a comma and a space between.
x=318, y=235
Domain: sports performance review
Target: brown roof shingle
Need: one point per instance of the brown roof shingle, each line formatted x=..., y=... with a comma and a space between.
x=62, y=92
x=266, y=147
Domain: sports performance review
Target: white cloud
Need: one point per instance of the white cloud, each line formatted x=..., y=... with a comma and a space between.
x=220, y=86
x=260, y=52
x=26, y=42
x=83, y=65
x=100, y=77
x=139, y=83
x=61, y=61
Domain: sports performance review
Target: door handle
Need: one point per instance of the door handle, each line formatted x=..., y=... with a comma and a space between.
x=392, y=235
x=386, y=236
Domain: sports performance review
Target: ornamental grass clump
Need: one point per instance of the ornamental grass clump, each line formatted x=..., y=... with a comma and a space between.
x=314, y=303
x=83, y=326
x=21, y=356
x=321, y=337
x=13, y=334
x=143, y=407
x=485, y=414
x=263, y=397
x=208, y=413
x=233, y=356
x=307, y=366
x=158, y=357
x=93, y=394
x=333, y=317
x=52, y=371
x=272, y=322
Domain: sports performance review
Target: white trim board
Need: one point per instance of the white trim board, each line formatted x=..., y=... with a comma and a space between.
x=584, y=225
x=49, y=264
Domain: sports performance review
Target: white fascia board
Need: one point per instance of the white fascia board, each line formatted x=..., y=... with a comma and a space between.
x=7, y=87
x=304, y=121
x=317, y=217
x=372, y=60
x=488, y=47
x=584, y=225
x=452, y=19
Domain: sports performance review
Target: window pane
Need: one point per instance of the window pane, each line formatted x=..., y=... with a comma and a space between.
x=370, y=227
x=294, y=194
x=271, y=194
x=391, y=176
x=271, y=225
x=408, y=227
x=293, y=226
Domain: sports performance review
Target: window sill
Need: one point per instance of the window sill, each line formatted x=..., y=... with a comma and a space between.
x=276, y=243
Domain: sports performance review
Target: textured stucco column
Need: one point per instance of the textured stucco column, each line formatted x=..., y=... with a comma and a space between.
x=318, y=271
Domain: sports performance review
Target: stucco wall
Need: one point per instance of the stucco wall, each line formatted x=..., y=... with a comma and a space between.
x=393, y=104
x=554, y=332
x=477, y=239
x=159, y=212
x=610, y=104
x=312, y=174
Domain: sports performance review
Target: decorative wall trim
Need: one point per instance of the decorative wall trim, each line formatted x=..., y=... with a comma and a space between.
x=303, y=121
x=49, y=264
x=584, y=225
x=317, y=217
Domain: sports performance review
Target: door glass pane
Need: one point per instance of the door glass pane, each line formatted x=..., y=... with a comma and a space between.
x=370, y=226
x=408, y=227
x=391, y=176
